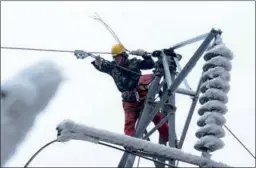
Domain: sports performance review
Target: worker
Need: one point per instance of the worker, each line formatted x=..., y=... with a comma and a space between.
x=131, y=85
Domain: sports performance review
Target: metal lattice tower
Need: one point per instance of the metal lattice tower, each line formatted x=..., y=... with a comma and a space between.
x=166, y=65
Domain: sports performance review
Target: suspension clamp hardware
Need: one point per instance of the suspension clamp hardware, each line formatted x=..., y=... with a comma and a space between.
x=80, y=54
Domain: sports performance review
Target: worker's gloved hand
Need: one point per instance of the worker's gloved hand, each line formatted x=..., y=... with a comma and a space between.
x=98, y=61
x=138, y=52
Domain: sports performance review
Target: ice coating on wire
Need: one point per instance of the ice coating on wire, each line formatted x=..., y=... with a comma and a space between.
x=214, y=91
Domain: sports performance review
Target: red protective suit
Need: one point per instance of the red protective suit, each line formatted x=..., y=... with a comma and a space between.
x=132, y=110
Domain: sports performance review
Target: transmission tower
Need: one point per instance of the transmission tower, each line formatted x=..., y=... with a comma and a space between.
x=167, y=61
x=213, y=84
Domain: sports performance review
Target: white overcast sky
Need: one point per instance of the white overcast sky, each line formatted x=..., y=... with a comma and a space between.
x=90, y=97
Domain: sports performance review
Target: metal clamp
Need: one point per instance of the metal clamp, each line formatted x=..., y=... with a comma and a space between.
x=80, y=54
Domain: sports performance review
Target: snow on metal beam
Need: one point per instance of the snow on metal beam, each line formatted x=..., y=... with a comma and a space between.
x=69, y=130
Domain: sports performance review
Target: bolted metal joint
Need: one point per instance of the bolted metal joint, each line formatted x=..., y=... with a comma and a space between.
x=169, y=92
x=216, y=31
x=170, y=107
x=151, y=102
x=156, y=53
x=170, y=52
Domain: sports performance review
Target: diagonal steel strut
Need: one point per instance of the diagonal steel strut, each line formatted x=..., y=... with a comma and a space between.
x=147, y=108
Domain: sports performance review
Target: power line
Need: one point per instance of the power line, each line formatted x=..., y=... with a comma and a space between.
x=240, y=142
x=138, y=164
x=68, y=51
x=31, y=159
x=137, y=154
x=107, y=145
x=49, y=50
x=134, y=153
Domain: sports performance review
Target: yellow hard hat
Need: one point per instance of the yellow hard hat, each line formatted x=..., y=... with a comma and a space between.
x=117, y=49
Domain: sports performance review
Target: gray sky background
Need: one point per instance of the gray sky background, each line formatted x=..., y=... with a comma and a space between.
x=91, y=98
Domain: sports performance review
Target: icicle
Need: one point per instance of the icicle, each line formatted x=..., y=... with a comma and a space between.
x=214, y=88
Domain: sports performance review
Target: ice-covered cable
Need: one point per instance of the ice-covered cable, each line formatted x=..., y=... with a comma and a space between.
x=214, y=91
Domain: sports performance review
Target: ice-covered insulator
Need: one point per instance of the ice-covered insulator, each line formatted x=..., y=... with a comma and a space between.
x=216, y=83
x=214, y=89
x=213, y=105
x=211, y=117
x=210, y=129
x=209, y=143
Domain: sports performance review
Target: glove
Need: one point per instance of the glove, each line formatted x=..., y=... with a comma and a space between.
x=138, y=52
x=98, y=61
